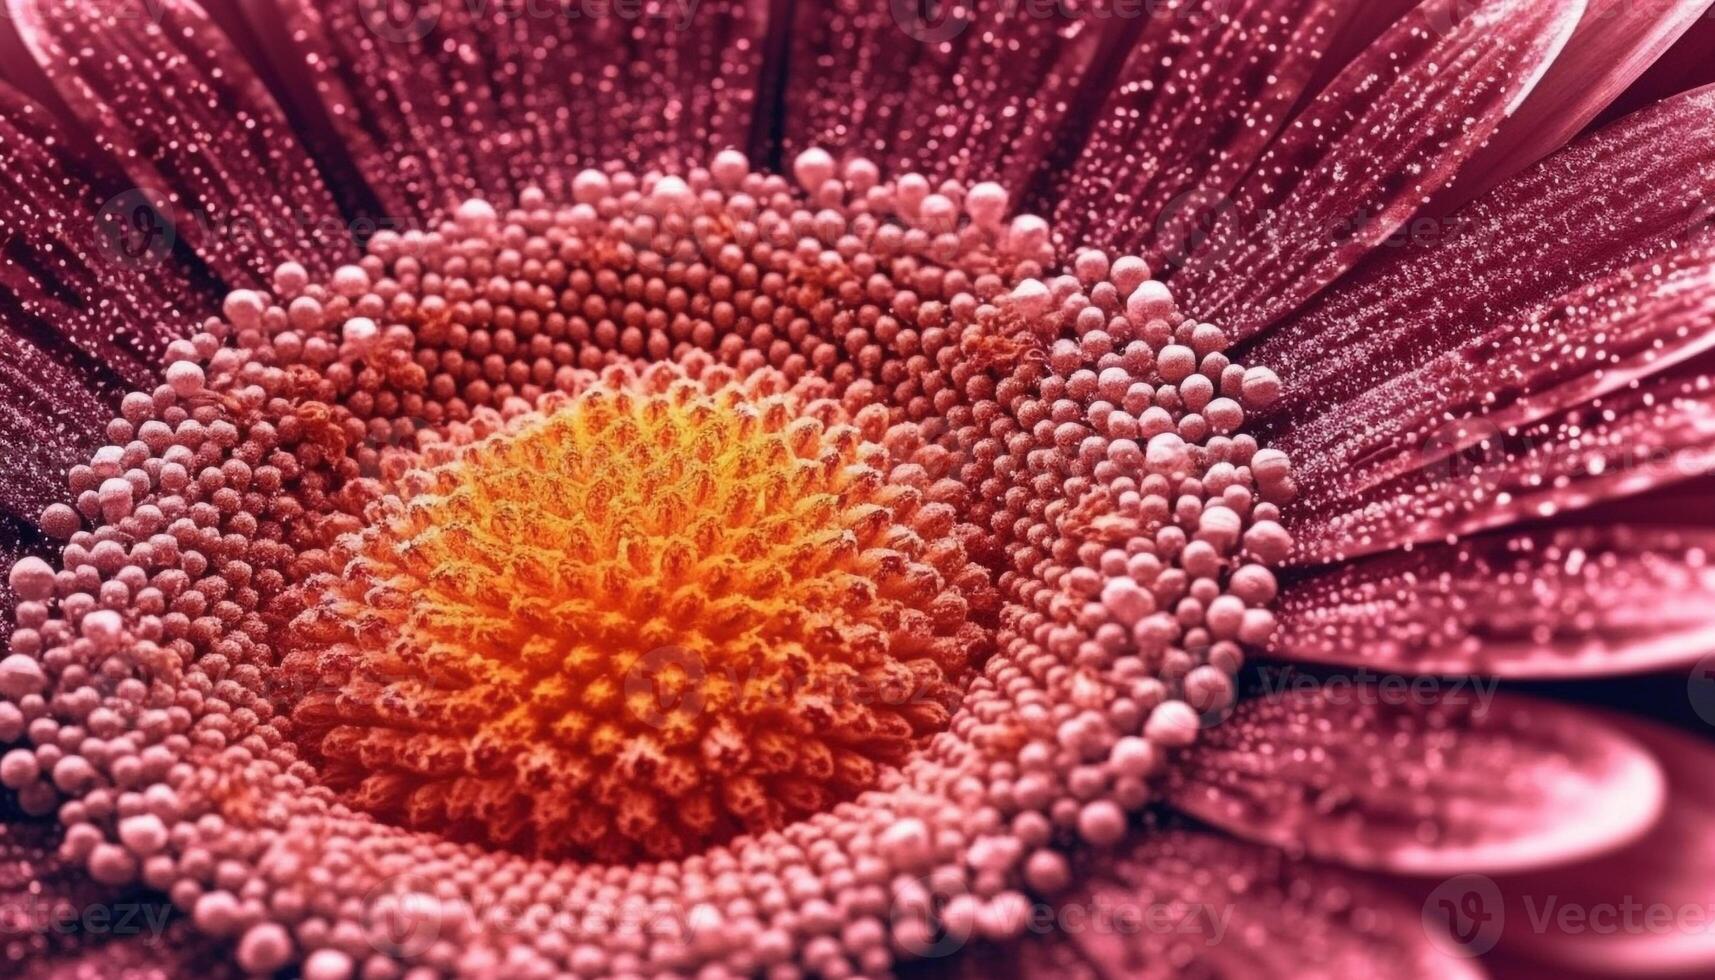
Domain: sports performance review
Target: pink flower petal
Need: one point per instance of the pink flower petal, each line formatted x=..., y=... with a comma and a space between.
x=1613, y=45
x=1572, y=281
x=1391, y=130
x=1612, y=200
x=1368, y=20
x=52, y=420
x=1195, y=103
x=1418, y=777
x=1685, y=66
x=1178, y=903
x=163, y=90
x=83, y=263
x=1647, y=906
x=462, y=99
x=1624, y=327
x=1567, y=602
x=1655, y=433
x=975, y=90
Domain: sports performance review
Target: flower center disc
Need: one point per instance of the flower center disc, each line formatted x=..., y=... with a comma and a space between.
x=655, y=614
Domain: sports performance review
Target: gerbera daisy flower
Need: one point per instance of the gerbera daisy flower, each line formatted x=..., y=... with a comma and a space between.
x=720, y=489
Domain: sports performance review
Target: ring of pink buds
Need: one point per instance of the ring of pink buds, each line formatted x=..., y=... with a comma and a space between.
x=711, y=572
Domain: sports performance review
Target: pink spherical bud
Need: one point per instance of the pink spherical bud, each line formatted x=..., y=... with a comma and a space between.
x=1172, y=723
x=1134, y=757
x=104, y=628
x=1269, y=542
x=812, y=168
x=144, y=834
x=1151, y=300
x=1031, y=298
x=243, y=308
x=185, y=378
x=1101, y=823
x=475, y=215
x=590, y=186
x=986, y=204
x=1126, y=601
x=32, y=579
x=1167, y=454
x=1260, y=387
x=328, y=964
x=264, y=948
x=21, y=676
x=729, y=169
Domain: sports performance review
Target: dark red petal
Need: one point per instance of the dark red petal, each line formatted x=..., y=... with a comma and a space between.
x=1685, y=66
x=52, y=420
x=1616, y=41
x=1598, y=339
x=974, y=90
x=165, y=92
x=1391, y=130
x=1649, y=908
x=1195, y=103
x=1612, y=200
x=1423, y=776
x=461, y=99
x=1178, y=903
x=1588, y=273
x=1566, y=602
x=79, y=262
x=1655, y=433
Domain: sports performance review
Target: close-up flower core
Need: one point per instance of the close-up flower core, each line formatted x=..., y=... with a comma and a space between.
x=652, y=617
x=526, y=491
x=498, y=537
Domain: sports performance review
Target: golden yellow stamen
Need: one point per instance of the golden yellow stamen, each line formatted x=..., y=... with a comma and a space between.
x=663, y=613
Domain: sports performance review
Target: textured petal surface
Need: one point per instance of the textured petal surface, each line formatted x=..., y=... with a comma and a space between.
x=1389, y=131
x=1179, y=903
x=1568, y=602
x=1658, y=432
x=973, y=90
x=1433, y=420
x=53, y=419
x=91, y=291
x=1592, y=271
x=1419, y=776
x=1619, y=197
x=169, y=96
x=1644, y=910
x=440, y=101
x=1616, y=41
x=1193, y=106
x=80, y=263
x=1685, y=66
